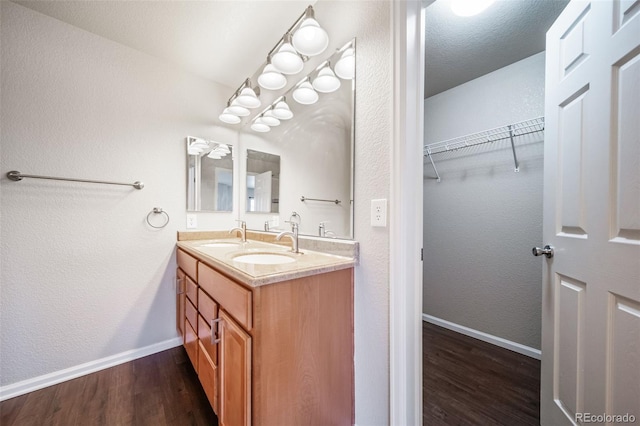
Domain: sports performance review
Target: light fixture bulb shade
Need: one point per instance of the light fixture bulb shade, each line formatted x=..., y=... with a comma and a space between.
x=286, y=60
x=236, y=109
x=248, y=98
x=345, y=68
x=326, y=81
x=271, y=78
x=223, y=148
x=259, y=126
x=193, y=151
x=310, y=39
x=269, y=119
x=469, y=7
x=214, y=155
x=305, y=94
x=228, y=117
x=282, y=111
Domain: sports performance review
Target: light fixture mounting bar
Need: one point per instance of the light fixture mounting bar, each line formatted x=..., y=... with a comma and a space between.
x=307, y=12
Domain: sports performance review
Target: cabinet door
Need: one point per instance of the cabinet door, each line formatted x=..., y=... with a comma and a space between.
x=235, y=373
x=181, y=282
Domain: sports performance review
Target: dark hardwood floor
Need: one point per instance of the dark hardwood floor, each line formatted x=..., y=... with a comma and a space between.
x=466, y=382
x=160, y=389
x=470, y=382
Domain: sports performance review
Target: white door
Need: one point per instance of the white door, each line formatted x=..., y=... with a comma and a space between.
x=591, y=287
x=262, y=192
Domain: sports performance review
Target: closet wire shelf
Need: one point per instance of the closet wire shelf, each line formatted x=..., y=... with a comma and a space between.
x=501, y=133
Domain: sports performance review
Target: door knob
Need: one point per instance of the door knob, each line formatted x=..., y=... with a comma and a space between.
x=547, y=251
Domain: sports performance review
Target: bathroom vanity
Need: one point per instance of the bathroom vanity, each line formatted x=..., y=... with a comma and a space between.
x=270, y=333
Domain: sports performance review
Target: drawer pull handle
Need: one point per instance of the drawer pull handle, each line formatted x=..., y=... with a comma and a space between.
x=180, y=287
x=214, y=340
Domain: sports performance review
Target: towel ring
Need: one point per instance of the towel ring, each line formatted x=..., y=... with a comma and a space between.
x=158, y=210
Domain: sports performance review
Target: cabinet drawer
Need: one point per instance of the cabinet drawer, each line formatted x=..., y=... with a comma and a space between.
x=192, y=291
x=180, y=298
x=191, y=314
x=208, y=375
x=204, y=334
x=234, y=298
x=188, y=263
x=207, y=307
x=191, y=344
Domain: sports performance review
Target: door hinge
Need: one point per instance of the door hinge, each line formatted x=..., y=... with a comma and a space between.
x=422, y=254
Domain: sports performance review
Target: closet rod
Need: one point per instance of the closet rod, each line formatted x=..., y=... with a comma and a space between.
x=509, y=132
x=17, y=176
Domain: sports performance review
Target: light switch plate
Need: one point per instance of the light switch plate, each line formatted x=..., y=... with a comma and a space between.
x=192, y=221
x=379, y=213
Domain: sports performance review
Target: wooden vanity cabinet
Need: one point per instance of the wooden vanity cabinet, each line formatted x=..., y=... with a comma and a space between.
x=187, y=300
x=279, y=353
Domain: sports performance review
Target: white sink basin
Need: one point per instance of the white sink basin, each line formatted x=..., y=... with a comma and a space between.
x=264, y=258
x=221, y=244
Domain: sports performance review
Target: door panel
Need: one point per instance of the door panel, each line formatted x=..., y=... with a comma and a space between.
x=624, y=355
x=591, y=287
x=626, y=151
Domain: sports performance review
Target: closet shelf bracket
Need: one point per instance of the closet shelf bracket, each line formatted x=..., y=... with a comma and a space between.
x=509, y=132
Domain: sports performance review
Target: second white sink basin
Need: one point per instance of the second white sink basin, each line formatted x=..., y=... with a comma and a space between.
x=264, y=258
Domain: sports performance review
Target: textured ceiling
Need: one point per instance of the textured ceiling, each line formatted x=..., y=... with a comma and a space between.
x=223, y=41
x=460, y=49
x=226, y=41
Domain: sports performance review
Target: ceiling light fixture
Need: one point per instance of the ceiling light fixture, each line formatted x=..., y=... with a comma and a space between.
x=271, y=78
x=259, y=126
x=281, y=110
x=326, y=81
x=248, y=98
x=269, y=119
x=304, y=93
x=469, y=7
x=228, y=117
x=345, y=68
x=310, y=39
x=286, y=59
x=236, y=109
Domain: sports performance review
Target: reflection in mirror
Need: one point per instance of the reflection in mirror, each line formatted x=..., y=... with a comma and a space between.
x=209, y=176
x=263, y=182
x=316, y=147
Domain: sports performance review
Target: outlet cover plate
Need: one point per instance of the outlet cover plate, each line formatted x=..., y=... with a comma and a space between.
x=379, y=213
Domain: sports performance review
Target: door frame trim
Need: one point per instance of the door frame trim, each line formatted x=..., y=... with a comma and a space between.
x=406, y=221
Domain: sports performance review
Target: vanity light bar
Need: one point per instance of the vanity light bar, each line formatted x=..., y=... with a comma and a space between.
x=303, y=39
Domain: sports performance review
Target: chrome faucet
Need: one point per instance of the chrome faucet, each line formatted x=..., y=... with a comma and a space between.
x=242, y=229
x=293, y=235
x=321, y=229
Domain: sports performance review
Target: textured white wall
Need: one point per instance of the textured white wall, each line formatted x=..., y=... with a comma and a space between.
x=83, y=277
x=482, y=219
x=370, y=22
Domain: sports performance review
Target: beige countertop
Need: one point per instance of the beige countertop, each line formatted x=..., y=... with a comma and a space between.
x=307, y=263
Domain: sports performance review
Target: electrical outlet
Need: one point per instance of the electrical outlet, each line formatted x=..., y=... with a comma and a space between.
x=379, y=213
x=192, y=221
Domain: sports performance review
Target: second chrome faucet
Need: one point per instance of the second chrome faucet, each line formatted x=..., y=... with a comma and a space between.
x=242, y=229
x=293, y=235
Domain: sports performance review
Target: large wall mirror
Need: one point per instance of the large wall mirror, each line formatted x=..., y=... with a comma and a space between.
x=314, y=174
x=209, y=175
x=263, y=182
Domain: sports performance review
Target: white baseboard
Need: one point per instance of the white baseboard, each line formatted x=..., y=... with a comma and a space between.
x=30, y=385
x=485, y=337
